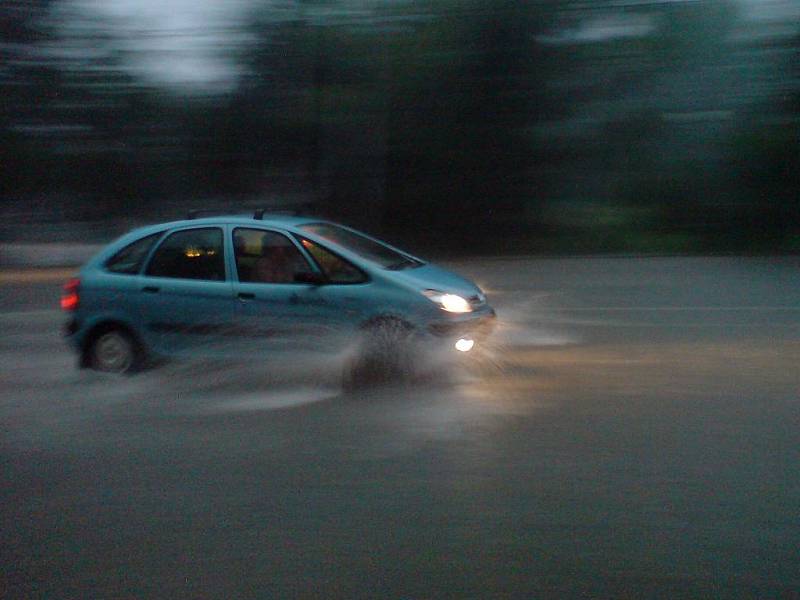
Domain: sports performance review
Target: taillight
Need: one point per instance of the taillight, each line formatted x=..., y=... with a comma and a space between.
x=69, y=297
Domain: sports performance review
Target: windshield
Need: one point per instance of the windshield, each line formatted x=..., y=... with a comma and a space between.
x=363, y=246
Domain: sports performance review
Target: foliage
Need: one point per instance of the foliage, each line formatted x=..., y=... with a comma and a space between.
x=499, y=125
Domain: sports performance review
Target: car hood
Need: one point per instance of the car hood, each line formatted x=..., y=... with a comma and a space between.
x=431, y=277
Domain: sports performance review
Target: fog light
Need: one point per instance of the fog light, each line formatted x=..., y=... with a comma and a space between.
x=464, y=345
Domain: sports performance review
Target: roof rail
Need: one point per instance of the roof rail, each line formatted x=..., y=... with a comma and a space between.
x=200, y=212
x=283, y=209
x=257, y=212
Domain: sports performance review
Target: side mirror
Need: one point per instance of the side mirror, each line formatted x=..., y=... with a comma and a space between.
x=309, y=277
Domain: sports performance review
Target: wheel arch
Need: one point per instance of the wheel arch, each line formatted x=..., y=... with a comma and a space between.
x=383, y=318
x=103, y=326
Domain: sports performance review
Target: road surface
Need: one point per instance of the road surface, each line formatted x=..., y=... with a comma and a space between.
x=634, y=432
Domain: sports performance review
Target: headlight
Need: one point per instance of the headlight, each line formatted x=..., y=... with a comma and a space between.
x=448, y=302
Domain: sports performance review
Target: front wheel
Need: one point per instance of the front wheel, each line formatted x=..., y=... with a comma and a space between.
x=384, y=355
x=113, y=351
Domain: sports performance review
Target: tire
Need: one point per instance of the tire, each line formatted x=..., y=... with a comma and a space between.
x=114, y=351
x=384, y=355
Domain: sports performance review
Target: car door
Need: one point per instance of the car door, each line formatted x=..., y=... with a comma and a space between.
x=186, y=297
x=348, y=290
x=281, y=306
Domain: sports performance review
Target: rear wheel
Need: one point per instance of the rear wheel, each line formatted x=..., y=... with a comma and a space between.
x=113, y=351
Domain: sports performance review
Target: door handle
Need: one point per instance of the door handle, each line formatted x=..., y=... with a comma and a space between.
x=246, y=296
x=151, y=289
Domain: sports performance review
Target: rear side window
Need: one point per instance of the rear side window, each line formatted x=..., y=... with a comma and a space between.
x=129, y=260
x=190, y=254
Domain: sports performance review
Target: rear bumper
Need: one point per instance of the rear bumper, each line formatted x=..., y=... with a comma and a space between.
x=72, y=333
x=71, y=328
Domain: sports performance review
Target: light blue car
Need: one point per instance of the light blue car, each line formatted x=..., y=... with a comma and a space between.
x=270, y=283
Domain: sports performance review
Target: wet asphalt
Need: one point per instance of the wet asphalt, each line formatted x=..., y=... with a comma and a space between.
x=632, y=431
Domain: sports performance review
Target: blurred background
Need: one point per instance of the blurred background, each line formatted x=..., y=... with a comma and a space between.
x=492, y=126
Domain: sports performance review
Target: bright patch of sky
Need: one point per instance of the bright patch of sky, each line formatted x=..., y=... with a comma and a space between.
x=602, y=28
x=192, y=45
x=770, y=18
x=617, y=19
x=771, y=10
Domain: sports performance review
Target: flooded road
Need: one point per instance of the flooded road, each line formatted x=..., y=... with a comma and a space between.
x=633, y=431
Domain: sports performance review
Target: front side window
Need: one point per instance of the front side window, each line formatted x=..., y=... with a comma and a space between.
x=190, y=254
x=266, y=257
x=336, y=269
x=129, y=260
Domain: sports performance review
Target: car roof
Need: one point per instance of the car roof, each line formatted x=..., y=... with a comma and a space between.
x=287, y=222
x=270, y=220
x=275, y=220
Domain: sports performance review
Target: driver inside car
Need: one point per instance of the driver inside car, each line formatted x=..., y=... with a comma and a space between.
x=278, y=262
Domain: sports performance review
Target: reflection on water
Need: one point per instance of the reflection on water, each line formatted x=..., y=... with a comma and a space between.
x=276, y=399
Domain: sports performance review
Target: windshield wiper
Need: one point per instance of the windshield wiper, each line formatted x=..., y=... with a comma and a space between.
x=405, y=263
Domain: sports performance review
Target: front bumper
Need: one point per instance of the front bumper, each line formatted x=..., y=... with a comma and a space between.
x=477, y=327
